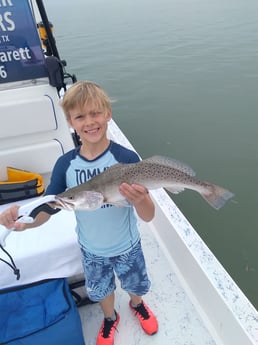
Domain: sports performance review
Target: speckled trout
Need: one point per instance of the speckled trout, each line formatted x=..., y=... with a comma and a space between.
x=152, y=173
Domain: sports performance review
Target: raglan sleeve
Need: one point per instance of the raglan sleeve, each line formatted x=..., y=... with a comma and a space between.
x=125, y=155
x=58, y=177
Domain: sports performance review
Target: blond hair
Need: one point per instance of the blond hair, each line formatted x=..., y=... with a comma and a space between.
x=82, y=93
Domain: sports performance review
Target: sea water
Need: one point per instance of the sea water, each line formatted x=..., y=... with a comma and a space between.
x=184, y=74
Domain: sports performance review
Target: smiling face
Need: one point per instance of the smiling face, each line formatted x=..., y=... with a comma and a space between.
x=90, y=122
x=88, y=110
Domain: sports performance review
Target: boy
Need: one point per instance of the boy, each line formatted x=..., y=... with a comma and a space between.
x=108, y=237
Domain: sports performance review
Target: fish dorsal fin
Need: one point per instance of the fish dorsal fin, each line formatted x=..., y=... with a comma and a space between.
x=173, y=163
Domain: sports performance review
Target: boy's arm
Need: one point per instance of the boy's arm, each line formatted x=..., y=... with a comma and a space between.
x=140, y=198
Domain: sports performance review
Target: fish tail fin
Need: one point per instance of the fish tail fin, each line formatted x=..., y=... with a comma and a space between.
x=216, y=196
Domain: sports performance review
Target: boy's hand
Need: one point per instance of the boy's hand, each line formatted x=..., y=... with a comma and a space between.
x=134, y=193
x=140, y=198
x=8, y=219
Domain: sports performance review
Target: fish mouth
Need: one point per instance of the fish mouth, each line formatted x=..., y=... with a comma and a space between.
x=65, y=203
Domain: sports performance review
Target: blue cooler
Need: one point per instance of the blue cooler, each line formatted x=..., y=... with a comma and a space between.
x=42, y=313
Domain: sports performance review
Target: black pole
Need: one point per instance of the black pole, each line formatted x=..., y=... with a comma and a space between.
x=52, y=44
x=45, y=22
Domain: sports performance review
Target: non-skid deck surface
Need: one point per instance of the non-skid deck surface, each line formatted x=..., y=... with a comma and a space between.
x=179, y=322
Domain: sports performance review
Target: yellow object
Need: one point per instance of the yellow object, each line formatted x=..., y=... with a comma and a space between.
x=21, y=184
x=43, y=33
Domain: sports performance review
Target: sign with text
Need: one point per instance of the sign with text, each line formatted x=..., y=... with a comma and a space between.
x=21, y=55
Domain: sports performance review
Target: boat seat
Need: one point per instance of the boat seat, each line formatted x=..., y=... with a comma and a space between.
x=22, y=121
x=39, y=157
x=43, y=155
x=33, y=131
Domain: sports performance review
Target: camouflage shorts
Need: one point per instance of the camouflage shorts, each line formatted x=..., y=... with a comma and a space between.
x=129, y=268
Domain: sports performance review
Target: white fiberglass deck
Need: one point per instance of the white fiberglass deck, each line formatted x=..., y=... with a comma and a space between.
x=195, y=300
x=179, y=322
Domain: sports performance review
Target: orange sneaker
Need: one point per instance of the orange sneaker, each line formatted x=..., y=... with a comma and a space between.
x=146, y=318
x=107, y=331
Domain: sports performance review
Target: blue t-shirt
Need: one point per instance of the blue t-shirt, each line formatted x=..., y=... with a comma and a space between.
x=109, y=230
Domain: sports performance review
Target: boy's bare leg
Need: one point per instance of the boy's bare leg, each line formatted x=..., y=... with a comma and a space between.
x=135, y=299
x=107, y=305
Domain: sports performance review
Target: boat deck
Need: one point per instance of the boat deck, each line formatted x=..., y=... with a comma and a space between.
x=179, y=321
x=194, y=298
